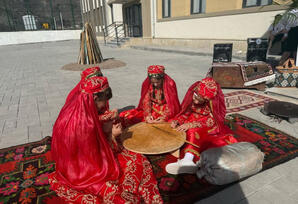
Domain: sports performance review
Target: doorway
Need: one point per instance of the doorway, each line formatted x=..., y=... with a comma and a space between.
x=133, y=20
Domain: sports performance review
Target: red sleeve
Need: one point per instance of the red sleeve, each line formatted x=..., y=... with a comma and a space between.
x=147, y=105
x=181, y=119
x=167, y=113
x=204, y=122
x=107, y=116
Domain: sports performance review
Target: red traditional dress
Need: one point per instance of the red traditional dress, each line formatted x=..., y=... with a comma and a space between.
x=88, y=170
x=206, y=121
x=158, y=103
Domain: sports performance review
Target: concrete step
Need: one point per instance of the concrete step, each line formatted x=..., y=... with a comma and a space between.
x=113, y=43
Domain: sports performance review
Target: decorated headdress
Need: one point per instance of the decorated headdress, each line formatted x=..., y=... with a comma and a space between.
x=207, y=88
x=156, y=71
x=91, y=72
x=95, y=85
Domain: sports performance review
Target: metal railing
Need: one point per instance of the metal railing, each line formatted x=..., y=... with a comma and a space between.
x=28, y=15
x=115, y=31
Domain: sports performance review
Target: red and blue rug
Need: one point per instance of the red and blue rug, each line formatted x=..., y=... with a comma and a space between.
x=237, y=101
x=24, y=169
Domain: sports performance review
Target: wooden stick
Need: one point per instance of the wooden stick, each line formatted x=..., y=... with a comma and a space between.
x=82, y=49
x=169, y=133
x=89, y=48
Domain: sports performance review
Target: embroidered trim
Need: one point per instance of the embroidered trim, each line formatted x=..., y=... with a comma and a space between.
x=197, y=136
x=192, y=151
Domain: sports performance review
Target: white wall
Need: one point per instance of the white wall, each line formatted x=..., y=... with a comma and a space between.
x=8, y=38
x=237, y=27
x=117, y=11
x=108, y=14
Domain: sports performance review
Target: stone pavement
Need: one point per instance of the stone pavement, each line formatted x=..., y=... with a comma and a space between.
x=33, y=89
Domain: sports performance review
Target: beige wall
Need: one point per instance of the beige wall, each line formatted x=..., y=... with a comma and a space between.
x=146, y=18
x=159, y=9
x=180, y=8
x=237, y=27
x=222, y=5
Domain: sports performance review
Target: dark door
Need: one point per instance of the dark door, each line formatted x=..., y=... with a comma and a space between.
x=133, y=20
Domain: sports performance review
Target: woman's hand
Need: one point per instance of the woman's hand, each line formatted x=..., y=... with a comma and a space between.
x=184, y=127
x=149, y=119
x=115, y=114
x=174, y=124
x=158, y=120
x=116, y=130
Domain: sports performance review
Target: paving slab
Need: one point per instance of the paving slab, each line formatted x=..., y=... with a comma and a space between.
x=33, y=89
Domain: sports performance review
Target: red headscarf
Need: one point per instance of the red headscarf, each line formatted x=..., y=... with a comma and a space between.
x=90, y=72
x=86, y=74
x=84, y=159
x=169, y=88
x=95, y=85
x=210, y=91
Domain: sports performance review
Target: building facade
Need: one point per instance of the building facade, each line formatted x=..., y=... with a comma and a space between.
x=214, y=19
x=195, y=22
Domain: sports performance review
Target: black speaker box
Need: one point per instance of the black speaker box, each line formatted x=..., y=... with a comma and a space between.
x=222, y=52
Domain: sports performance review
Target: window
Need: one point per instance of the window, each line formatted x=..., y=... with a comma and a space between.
x=251, y=3
x=197, y=6
x=166, y=8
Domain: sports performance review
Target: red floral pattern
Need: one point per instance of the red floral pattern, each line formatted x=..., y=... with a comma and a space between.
x=18, y=157
x=27, y=195
x=40, y=149
x=30, y=172
x=42, y=179
x=10, y=188
x=137, y=184
x=190, y=188
x=156, y=106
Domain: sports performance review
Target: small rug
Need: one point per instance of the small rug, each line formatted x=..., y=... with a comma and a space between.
x=24, y=168
x=242, y=100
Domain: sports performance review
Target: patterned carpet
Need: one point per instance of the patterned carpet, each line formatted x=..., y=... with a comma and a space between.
x=242, y=100
x=24, y=168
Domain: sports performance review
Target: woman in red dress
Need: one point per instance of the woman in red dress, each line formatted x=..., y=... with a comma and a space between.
x=159, y=99
x=202, y=118
x=88, y=169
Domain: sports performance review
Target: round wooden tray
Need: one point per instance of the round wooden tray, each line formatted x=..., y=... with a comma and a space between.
x=147, y=138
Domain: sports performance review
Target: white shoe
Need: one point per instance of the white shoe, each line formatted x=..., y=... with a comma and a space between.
x=182, y=166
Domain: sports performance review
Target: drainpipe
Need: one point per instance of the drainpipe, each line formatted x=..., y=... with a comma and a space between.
x=112, y=12
x=104, y=12
x=103, y=24
x=153, y=17
x=82, y=11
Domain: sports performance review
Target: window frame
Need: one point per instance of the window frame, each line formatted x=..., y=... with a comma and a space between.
x=257, y=4
x=191, y=7
x=169, y=9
